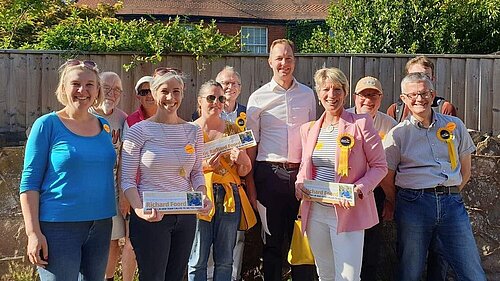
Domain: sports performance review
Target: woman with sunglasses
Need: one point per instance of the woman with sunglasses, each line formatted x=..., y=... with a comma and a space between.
x=231, y=207
x=339, y=147
x=67, y=193
x=162, y=153
x=147, y=107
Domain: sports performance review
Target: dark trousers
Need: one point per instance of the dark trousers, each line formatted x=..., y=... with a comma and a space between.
x=276, y=191
x=162, y=248
x=373, y=241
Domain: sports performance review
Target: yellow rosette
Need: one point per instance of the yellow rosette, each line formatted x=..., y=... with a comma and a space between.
x=106, y=128
x=345, y=142
x=189, y=148
x=241, y=121
x=445, y=134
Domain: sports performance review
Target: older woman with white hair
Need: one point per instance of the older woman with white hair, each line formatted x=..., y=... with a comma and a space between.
x=166, y=152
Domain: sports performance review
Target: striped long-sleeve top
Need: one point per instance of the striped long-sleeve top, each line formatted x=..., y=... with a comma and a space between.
x=168, y=157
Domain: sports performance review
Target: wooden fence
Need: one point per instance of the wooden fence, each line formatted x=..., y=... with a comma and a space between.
x=28, y=80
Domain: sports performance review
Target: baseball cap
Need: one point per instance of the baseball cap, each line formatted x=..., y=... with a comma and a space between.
x=368, y=82
x=144, y=79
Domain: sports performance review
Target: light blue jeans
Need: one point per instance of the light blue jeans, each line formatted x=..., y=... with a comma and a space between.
x=77, y=250
x=221, y=232
x=422, y=217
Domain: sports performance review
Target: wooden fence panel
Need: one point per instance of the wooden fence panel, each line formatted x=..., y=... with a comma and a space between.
x=458, y=86
x=496, y=97
x=29, y=79
x=17, y=92
x=33, y=85
x=485, y=96
x=386, y=76
x=5, y=80
x=471, y=86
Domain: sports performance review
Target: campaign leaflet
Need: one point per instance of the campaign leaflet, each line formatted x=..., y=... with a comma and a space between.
x=241, y=140
x=173, y=202
x=329, y=192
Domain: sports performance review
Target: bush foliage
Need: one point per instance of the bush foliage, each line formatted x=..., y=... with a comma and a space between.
x=56, y=25
x=408, y=26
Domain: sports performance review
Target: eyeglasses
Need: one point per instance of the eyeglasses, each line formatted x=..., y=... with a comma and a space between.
x=371, y=96
x=86, y=63
x=162, y=70
x=424, y=95
x=233, y=84
x=213, y=99
x=108, y=89
x=143, y=92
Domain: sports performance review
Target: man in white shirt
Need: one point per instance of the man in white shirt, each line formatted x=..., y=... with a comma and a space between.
x=275, y=113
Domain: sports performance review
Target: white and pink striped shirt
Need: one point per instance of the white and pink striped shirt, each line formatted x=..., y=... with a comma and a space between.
x=168, y=157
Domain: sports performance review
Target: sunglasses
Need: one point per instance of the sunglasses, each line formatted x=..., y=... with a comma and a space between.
x=85, y=63
x=162, y=70
x=213, y=99
x=144, y=92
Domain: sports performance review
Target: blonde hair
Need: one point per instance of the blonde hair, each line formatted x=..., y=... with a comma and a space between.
x=334, y=75
x=64, y=69
x=162, y=79
x=284, y=42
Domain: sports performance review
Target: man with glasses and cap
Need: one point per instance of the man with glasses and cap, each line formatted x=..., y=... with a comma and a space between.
x=367, y=100
x=112, y=89
x=429, y=160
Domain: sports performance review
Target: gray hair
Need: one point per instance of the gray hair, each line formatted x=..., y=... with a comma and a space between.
x=228, y=69
x=416, y=78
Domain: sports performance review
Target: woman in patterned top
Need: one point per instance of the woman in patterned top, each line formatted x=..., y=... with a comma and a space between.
x=166, y=152
x=222, y=176
x=339, y=147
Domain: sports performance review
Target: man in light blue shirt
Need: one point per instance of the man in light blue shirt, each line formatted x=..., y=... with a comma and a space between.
x=429, y=159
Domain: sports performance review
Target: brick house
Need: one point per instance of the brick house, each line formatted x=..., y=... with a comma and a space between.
x=261, y=20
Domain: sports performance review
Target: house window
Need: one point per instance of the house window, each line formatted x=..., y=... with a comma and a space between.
x=254, y=39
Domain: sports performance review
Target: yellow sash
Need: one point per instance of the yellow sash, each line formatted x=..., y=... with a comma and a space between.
x=248, y=219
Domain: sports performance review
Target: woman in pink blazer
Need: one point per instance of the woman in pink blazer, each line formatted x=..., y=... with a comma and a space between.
x=336, y=231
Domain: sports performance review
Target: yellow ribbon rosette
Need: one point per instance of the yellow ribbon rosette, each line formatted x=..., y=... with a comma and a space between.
x=345, y=142
x=106, y=128
x=241, y=121
x=445, y=134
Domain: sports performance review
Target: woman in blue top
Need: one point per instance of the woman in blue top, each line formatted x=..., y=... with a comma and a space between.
x=67, y=195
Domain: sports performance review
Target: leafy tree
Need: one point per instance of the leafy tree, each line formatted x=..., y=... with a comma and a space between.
x=152, y=39
x=21, y=20
x=409, y=26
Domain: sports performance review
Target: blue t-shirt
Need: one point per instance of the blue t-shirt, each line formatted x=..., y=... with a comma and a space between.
x=72, y=173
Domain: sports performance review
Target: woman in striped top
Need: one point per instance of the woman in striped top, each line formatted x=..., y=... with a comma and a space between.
x=336, y=231
x=166, y=151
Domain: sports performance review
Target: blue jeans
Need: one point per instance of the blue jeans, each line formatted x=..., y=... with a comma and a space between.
x=424, y=217
x=221, y=232
x=77, y=250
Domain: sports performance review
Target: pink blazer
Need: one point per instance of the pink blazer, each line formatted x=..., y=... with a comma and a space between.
x=367, y=167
